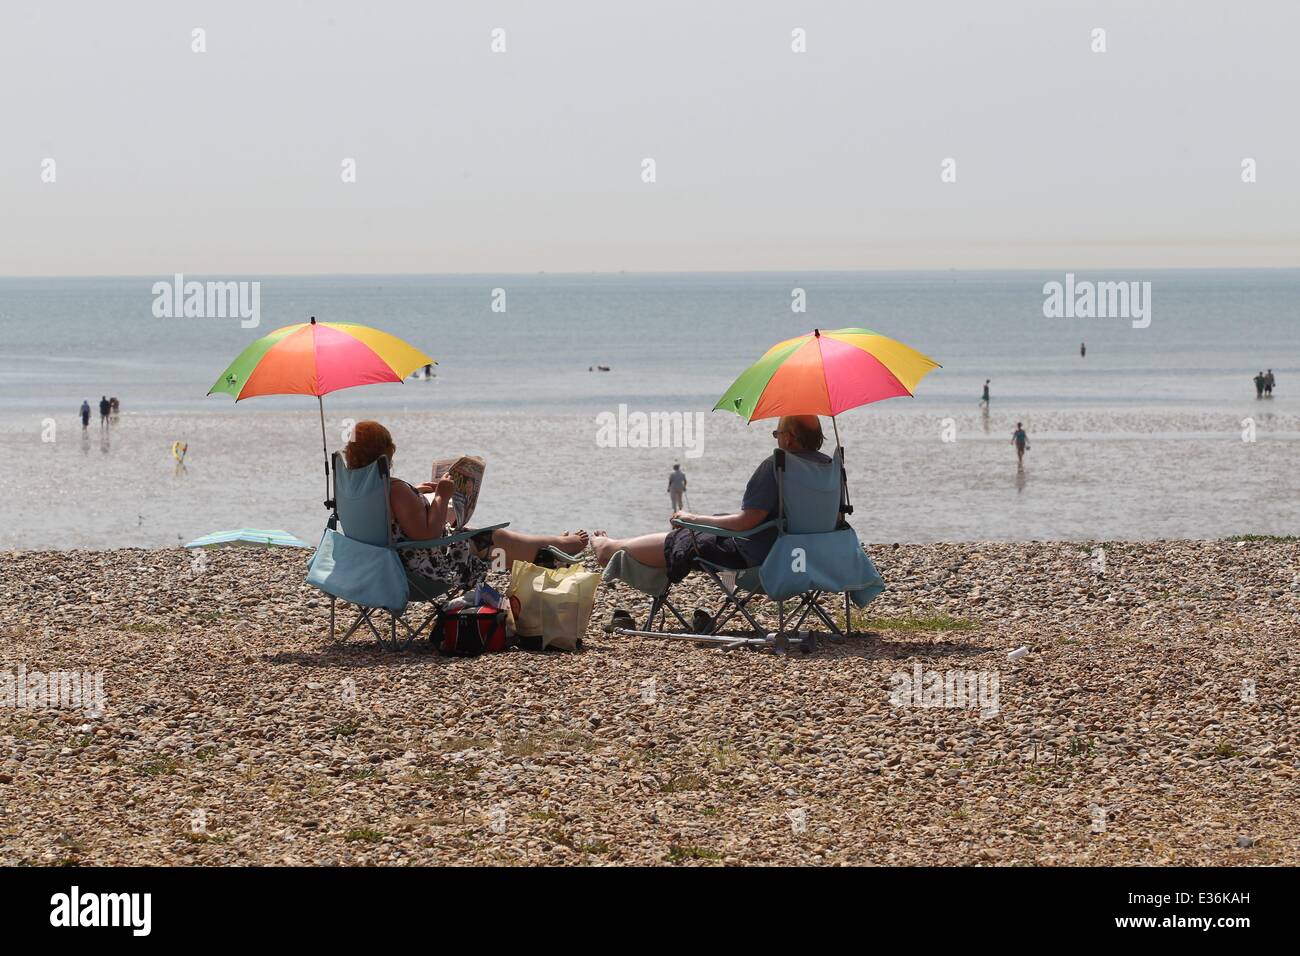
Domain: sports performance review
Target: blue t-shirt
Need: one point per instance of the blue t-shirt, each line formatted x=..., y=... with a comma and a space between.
x=761, y=494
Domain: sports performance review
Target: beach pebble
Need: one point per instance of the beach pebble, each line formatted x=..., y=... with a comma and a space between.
x=1167, y=708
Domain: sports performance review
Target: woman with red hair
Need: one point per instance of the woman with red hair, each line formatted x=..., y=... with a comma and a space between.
x=416, y=518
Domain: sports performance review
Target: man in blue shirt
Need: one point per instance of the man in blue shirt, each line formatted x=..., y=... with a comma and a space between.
x=677, y=549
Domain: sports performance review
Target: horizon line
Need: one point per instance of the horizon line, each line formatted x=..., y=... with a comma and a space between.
x=653, y=272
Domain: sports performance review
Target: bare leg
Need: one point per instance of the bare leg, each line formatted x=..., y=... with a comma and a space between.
x=518, y=546
x=647, y=549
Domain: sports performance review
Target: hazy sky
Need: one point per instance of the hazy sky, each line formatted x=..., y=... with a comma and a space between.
x=229, y=161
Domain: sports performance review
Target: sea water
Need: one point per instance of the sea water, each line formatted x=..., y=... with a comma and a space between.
x=1155, y=433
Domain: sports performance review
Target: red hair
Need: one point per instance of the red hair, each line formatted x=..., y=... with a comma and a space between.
x=370, y=440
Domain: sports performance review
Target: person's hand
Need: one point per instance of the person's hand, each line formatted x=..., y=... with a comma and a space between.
x=444, y=487
x=683, y=516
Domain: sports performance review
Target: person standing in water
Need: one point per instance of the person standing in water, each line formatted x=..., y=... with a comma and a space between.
x=103, y=411
x=85, y=414
x=1083, y=350
x=676, y=486
x=1259, y=384
x=1021, y=441
x=985, y=399
x=1268, y=384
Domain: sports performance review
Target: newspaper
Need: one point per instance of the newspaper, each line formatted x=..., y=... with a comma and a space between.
x=466, y=472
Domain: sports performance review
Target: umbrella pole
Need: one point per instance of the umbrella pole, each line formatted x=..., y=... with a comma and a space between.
x=835, y=426
x=324, y=447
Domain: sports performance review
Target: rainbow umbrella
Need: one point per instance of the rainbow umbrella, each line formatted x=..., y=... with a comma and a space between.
x=316, y=358
x=825, y=373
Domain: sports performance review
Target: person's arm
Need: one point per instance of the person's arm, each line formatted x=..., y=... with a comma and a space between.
x=741, y=521
x=421, y=520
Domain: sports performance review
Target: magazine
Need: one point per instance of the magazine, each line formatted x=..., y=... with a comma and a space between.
x=466, y=472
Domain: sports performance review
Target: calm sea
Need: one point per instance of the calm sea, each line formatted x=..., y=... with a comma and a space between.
x=1141, y=438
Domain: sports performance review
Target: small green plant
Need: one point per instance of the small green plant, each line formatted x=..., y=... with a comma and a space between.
x=679, y=854
x=159, y=767
x=1225, y=748
x=683, y=781
x=1081, y=746
x=363, y=835
x=939, y=622
x=345, y=729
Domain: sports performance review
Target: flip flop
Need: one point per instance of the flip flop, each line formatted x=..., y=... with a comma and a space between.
x=621, y=618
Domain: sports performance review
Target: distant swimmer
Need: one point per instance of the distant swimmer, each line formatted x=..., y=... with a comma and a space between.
x=1083, y=350
x=1021, y=441
x=428, y=371
x=85, y=414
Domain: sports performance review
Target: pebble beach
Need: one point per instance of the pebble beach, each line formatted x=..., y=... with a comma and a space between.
x=1151, y=721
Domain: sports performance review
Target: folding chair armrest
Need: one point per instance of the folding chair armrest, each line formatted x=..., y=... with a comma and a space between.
x=449, y=539
x=725, y=533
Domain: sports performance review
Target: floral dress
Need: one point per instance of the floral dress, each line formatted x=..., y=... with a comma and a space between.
x=458, y=564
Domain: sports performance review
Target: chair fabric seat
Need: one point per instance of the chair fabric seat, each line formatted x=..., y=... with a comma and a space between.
x=357, y=572
x=832, y=562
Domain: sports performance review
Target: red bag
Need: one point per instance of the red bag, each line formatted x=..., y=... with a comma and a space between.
x=471, y=632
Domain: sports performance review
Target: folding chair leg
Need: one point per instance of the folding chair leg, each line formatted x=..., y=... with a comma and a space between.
x=409, y=633
x=363, y=617
x=734, y=604
x=663, y=618
x=829, y=621
x=656, y=606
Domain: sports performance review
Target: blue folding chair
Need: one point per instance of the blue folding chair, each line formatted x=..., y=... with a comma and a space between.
x=816, y=553
x=358, y=561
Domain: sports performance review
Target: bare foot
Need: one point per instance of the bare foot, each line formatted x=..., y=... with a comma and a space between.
x=573, y=542
x=604, y=548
